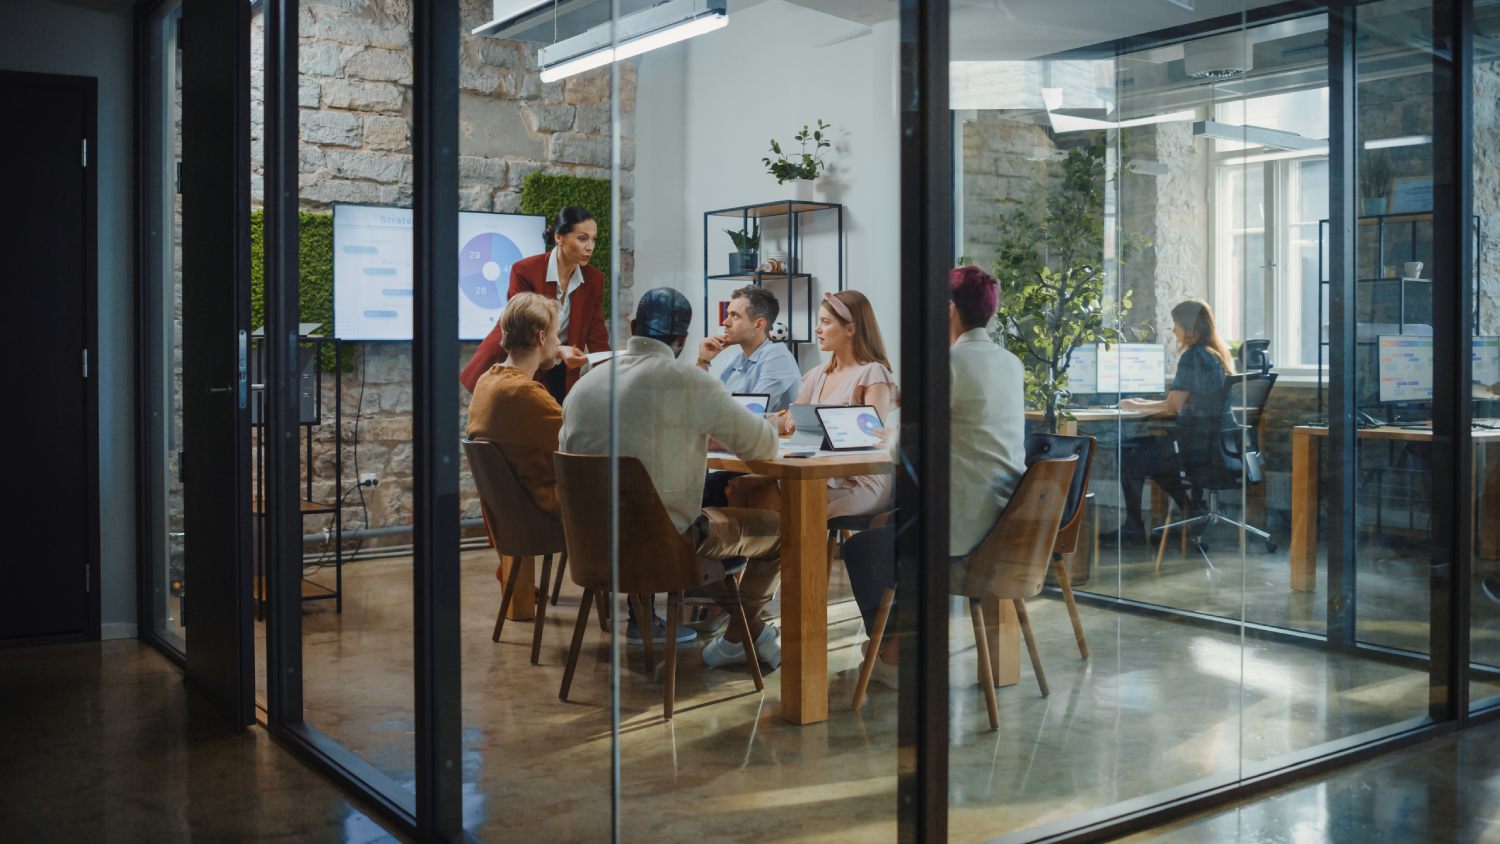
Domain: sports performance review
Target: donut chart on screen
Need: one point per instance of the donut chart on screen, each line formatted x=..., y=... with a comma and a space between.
x=484, y=269
x=869, y=424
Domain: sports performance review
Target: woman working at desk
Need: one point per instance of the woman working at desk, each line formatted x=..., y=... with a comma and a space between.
x=1193, y=400
x=563, y=275
x=857, y=373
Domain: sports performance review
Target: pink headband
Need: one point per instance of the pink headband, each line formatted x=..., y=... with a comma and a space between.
x=837, y=305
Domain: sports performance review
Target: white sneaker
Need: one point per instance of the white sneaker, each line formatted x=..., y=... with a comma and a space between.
x=721, y=652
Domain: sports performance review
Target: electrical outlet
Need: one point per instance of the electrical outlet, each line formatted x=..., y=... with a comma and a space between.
x=369, y=479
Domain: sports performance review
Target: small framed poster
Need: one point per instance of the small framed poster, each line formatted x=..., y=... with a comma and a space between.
x=1410, y=194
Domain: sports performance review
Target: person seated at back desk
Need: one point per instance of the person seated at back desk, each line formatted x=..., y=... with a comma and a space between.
x=667, y=412
x=1194, y=402
x=513, y=410
x=755, y=364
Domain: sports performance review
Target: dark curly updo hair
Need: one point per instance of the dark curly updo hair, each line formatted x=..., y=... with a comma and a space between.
x=567, y=218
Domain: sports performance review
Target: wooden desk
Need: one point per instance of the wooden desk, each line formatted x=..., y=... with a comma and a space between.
x=1087, y=416
x=1305, y=474
x=804, y=577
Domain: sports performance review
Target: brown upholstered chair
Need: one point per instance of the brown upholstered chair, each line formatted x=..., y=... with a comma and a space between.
x=1052, y=446
x=1009, y=564
x=653, y=556
x=519, y=528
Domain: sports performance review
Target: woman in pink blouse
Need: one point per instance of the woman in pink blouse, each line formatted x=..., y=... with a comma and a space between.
x=857, y=372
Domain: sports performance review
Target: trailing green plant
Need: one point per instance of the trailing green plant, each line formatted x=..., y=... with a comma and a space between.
x=745, y=241
x=314, y=282
x=1052, y=281
x=545, y=194
x=1375, y=173
x=803, y=164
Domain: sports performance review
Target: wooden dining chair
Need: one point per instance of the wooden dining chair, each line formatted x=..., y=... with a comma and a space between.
x=654, y=557
x=519, y=529
x=1052, y=446
x=1009, y=564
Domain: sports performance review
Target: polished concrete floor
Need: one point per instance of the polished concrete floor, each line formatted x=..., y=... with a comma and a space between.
x=1159, y=705
x=102, y=742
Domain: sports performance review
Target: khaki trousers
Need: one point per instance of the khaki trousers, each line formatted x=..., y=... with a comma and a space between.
x=724, y=533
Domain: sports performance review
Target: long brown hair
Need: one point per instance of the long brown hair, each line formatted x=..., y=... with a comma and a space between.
x=868, y=347
x=1197, y=319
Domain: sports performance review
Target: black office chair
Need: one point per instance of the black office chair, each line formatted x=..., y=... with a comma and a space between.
x=1225, y=459
x=1255, y=356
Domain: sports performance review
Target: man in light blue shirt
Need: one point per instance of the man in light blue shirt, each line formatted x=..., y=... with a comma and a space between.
x=757, y=365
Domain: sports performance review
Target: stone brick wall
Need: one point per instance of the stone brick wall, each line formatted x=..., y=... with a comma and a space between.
x=355, y=93
x=999, y=174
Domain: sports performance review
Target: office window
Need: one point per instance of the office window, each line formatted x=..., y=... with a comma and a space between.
x=1268, y=202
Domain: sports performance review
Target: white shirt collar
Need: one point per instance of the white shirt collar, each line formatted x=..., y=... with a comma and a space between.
x=974, y=335
x=555, y=277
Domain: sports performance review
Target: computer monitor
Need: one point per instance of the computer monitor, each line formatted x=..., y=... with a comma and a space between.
x=1405, y=368
x=1136, y=368
x=1083, y=371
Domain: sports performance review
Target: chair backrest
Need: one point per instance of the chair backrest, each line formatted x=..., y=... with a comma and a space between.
x=518, y=526
x=1041, y=446
x=1255, y=356
x=1012, y=560
x=653, y=555
x=1219, y=460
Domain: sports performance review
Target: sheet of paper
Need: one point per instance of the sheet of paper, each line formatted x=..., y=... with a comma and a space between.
x=596, y=358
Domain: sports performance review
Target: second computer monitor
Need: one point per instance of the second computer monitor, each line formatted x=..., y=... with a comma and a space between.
x=1405, y=368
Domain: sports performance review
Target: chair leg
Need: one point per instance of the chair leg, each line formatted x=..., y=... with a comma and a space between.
x=867, y=667
x=1036, y=657
x=752, y=659
x=578, y=628
x=1161, y=549
x=510, y=588
x=1065, y=583
x=647, y=627
x=986, y=679
x=562, y=566
x=541, y=611
x=669, y=688
x=833, y=548
x=603, y=611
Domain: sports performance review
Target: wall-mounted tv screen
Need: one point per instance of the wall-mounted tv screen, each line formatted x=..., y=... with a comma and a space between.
x=372, y=269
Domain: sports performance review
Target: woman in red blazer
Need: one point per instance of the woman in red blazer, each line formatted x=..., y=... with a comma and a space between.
x=564, y=275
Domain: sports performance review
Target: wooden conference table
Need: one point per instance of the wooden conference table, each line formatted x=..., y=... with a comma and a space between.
x=1305, y=475
x=804, y=577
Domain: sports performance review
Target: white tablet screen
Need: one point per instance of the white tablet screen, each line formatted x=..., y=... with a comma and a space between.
x=851, y=427
x=756, y=403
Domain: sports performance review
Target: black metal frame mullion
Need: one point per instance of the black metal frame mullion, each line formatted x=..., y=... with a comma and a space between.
x=1453, y=261
x=1342, y=295
x=922, y=478
x=281, y=407
x=435, y=428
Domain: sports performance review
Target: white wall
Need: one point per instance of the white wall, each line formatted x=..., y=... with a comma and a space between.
x=706, y=110
x=45, y=37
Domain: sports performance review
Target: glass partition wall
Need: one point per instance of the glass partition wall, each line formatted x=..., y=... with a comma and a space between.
x=1218, y=240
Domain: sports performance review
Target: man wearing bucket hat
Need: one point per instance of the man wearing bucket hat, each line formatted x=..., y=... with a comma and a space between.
x=667, y=411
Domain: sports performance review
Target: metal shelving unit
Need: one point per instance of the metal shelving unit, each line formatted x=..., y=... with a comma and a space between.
x=310, y=416
x=792, y=211
x=1390, y=245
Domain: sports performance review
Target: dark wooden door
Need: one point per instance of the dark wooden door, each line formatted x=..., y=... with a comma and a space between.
x=47, y=582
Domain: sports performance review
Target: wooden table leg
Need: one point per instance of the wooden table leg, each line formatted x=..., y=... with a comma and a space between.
x=804, y=600
x=1005, y=641
x=1304, y=551
x=523, y=600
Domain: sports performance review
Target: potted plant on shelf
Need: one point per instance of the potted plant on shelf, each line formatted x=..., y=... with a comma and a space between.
x=803, y=166
x=1374, y=180
x=1052, y=282
x=746, y=249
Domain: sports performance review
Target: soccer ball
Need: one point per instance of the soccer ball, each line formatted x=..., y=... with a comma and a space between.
x=778, y=331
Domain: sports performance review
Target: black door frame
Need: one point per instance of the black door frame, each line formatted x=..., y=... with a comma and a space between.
x=89, y=87
x=215, y=343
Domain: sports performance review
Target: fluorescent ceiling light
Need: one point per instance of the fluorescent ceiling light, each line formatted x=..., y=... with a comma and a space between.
x=1256, y=135
x=634, y=34
x=1403, y=141
x=1064, y=123
x=506, y=12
